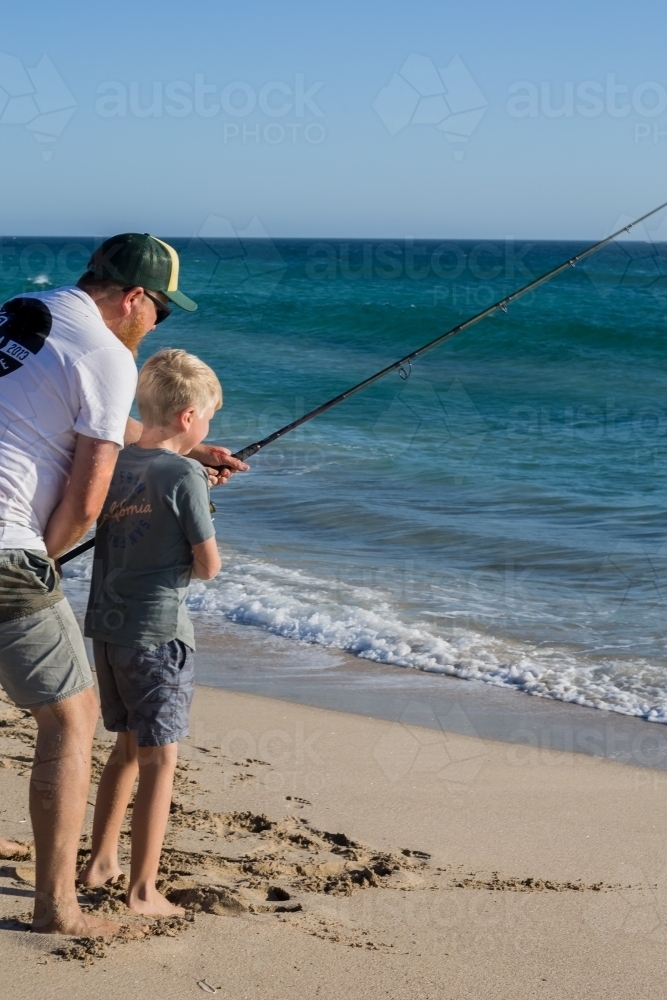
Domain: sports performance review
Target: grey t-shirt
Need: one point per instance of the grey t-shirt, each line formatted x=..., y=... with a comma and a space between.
x=156, y=510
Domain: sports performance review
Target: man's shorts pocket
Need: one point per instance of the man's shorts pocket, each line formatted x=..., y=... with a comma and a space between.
x=29, y=582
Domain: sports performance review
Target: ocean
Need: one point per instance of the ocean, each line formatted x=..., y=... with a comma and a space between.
x=498, y=516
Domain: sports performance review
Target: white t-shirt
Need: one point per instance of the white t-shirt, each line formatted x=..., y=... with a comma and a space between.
x=62, y=373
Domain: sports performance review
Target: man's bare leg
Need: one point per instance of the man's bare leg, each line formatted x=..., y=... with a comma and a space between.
x=58, y=796
x=149, y=823
x=113, y=795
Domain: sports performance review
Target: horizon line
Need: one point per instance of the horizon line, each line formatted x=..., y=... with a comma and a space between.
x=331, y=239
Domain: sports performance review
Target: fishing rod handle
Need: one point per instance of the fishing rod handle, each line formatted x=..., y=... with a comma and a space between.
x=244, y=453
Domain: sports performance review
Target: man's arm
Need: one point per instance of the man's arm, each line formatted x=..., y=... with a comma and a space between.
x=92, y=469
x=211, y=456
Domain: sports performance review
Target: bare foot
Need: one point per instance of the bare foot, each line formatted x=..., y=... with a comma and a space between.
x=12, y=849
x=152, y=903
x=72, y=921
x=95, y=874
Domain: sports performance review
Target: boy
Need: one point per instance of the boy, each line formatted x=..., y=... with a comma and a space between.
x=155, y=532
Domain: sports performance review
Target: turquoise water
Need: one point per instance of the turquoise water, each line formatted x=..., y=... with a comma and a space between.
x=500, y=515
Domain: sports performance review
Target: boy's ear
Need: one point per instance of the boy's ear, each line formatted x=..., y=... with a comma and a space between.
x=184, y=418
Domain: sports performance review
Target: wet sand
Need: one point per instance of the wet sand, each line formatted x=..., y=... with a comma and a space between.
x=257, y=662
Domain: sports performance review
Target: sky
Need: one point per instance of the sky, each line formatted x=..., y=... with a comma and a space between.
x=431, y=119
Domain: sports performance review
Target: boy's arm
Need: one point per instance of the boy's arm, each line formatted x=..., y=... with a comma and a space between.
x=206, y=560
x=194, y=515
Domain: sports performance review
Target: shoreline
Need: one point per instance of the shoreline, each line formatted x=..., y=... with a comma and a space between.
x=320, y=677
x=271, y=593
x=247, y=659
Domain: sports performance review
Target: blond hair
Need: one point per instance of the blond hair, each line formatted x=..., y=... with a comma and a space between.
x=172, y=380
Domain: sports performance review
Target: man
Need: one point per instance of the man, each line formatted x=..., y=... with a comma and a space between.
x=68, y=378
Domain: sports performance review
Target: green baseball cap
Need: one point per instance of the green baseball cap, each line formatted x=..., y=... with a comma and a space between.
x=143, y=260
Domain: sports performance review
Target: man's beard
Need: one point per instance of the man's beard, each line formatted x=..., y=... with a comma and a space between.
x=131, y=332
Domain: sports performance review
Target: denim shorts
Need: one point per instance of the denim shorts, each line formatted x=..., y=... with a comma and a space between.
x=147, y=692
x=42, y=657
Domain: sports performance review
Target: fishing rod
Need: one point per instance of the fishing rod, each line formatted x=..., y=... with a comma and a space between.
x=400, y=365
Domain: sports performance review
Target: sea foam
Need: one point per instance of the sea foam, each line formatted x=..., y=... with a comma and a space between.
x=366, y=623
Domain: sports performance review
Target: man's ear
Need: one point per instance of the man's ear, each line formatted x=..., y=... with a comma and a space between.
x=130, y=297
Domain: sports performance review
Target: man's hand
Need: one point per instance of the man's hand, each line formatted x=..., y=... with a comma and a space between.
x=211, y=457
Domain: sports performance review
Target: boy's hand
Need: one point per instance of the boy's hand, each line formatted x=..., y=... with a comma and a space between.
x=212, y=457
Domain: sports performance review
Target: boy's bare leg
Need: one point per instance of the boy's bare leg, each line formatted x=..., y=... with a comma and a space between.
x=113, y=795
x=58, y=796
x=149, y=822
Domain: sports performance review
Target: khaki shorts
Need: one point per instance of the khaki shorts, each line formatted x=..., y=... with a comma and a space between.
x=42, y=657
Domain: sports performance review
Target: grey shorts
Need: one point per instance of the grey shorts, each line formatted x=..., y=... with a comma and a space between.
x=147, y=692
x=42, y=657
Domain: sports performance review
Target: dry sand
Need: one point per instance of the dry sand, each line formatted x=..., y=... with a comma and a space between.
x=326, y=855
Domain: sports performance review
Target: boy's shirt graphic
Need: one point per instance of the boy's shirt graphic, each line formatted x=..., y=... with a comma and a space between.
x=157, y=508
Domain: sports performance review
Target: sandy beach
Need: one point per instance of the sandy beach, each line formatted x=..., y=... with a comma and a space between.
x=322, y=854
